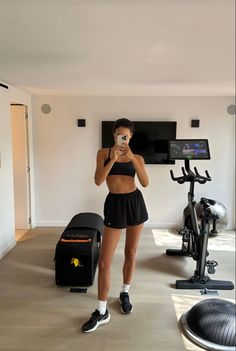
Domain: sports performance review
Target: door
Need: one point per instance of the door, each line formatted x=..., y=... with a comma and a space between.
x=21, y=167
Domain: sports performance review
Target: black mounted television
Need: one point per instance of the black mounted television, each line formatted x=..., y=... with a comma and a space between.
x=149, y=140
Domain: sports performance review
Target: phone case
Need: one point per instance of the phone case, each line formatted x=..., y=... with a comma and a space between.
x=121, y=139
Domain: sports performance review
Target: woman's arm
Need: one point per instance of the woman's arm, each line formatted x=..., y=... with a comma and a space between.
x=139, y=166
x=102, y=171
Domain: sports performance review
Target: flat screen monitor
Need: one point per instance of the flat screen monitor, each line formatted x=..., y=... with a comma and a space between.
x=149, y=140
x=189, y=149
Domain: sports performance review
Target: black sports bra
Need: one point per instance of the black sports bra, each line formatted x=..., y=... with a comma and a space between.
x=120, y=168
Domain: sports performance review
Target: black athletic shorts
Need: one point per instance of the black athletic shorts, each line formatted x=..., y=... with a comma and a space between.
x=123, y=210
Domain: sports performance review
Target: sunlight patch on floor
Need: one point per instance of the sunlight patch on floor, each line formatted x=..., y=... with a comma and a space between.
x=20, y=233
x=182, y=303
x=225, y=241
x=163, y=237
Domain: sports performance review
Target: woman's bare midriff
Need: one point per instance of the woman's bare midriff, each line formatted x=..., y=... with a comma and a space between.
x=120, y=184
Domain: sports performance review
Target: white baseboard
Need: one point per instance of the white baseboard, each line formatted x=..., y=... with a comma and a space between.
x=51, y=223
x=7, y=248
x=65, y=223
x=148, y=224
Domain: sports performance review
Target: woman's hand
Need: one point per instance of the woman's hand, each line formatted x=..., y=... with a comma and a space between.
x=116, y=151
x=127, y=151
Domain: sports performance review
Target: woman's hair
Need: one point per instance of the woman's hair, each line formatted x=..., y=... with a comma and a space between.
x=123, y=122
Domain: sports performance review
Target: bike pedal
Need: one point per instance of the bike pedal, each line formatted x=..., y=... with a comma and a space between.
x=186, y=238
x=211, y=264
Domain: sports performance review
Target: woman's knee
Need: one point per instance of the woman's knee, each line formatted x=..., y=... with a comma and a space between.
x=130, y=254
x=104, y=265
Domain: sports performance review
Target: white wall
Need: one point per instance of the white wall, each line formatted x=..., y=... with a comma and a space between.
x=7, y=225
x=7, y=220
x=65, y=155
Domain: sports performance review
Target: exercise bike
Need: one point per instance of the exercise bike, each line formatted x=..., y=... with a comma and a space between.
x=194, y=235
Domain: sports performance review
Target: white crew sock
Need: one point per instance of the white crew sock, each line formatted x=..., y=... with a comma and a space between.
x=102, y=306
x=125, y=288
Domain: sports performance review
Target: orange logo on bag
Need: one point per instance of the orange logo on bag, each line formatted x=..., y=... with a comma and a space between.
x=75, y=262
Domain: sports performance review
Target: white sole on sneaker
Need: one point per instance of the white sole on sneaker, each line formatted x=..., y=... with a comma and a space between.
x=105, y=321
x=122, y=308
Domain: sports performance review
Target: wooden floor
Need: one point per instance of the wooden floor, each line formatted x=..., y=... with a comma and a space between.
x=37, y=315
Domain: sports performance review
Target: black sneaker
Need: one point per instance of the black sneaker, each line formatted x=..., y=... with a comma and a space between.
x=126, y=306
x=96, y=319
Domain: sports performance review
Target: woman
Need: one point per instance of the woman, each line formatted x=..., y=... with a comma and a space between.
x=124, y=208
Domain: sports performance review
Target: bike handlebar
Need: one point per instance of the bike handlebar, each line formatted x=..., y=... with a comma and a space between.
x=178, y=179
x=190, y=176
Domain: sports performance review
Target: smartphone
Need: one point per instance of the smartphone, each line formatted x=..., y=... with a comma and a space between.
x=78, y=290
x=121, y=139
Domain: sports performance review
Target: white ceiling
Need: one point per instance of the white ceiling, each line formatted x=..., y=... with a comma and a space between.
x=132, y=47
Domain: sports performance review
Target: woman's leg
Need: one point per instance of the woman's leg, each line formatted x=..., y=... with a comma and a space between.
x=131, y=244
x=110, y=240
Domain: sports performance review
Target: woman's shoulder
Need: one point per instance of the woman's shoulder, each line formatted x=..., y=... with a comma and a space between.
x=139, y=158
x=103, y=152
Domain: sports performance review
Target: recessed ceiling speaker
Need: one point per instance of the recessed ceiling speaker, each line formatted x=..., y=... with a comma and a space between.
x=231, y=109
x=45, y=108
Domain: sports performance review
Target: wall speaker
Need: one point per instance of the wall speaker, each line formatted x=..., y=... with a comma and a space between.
x=195, y=123
x=81, y=123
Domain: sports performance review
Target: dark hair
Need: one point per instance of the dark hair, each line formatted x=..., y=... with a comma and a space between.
x=123, y=122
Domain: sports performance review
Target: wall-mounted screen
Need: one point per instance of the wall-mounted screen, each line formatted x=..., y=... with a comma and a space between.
x=149, y=140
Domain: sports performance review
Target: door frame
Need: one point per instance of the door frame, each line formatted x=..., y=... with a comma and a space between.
x=28, y=170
